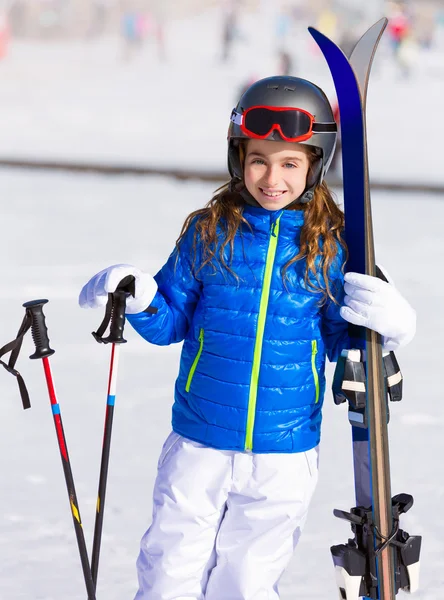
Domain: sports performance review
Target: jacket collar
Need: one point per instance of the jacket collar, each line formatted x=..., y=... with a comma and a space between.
x=262, y=220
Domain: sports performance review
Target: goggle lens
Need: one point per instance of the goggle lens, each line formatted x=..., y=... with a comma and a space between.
x=292, y=123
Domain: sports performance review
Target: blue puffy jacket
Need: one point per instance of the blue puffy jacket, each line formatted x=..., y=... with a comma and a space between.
x=252, y=366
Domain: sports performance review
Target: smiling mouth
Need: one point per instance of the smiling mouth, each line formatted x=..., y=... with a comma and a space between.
x=274, y=194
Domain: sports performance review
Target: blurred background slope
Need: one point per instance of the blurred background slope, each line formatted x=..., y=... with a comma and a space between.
x=153, y=81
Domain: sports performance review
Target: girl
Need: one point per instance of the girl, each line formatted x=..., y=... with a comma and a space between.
x=255, y=288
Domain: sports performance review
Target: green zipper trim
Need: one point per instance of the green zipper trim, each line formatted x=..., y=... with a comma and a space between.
x=314, y=351
x=196, y=360
x=265, y=294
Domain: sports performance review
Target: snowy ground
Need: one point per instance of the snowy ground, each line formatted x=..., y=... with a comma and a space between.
x=82, y=101
x=57, y=231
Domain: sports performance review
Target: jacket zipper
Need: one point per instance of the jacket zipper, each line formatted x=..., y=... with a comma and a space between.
x=263, y=306
x=196, y=360
x=314, y=351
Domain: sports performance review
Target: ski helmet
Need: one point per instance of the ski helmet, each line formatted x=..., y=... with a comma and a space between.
x=261, y=114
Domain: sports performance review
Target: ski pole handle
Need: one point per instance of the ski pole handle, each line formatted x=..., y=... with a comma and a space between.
x=39, y=330
x=115, y=313
x=125, y=287
x=118, y=318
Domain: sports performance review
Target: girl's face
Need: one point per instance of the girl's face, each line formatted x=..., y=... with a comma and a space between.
x=275, y=173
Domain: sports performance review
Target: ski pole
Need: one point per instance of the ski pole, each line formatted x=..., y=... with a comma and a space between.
x=115, y=316
x=43, y=351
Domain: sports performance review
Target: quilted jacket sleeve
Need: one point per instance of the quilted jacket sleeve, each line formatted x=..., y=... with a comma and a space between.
x=176, y=299
x=334, y=328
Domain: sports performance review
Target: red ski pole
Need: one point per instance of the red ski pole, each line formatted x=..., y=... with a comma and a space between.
x=43, y=351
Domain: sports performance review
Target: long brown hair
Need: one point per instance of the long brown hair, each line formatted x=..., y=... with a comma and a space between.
x=320, y=234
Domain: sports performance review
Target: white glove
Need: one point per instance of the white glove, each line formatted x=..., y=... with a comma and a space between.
x=95, y=293
x=376, y=304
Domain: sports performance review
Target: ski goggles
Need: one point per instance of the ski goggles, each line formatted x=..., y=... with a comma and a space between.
x=293, y=124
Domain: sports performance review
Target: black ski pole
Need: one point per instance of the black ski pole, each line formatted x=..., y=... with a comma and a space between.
x=43, y=351
x=115, y=316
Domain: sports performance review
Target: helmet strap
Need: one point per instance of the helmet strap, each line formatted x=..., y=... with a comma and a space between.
x=313, y=180
x=235, y=166
x=238, y=186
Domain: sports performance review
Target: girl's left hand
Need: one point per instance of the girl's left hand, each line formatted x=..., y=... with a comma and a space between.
x=376, y=304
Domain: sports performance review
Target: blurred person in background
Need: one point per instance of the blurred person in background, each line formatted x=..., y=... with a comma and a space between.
x=327, y=21
x=283, y=26
x=230, y=27
x=399, y=30
x=133, y=29
x=285, y=63
x=5, y=34
x=158, y=28
x=438, y=37
x=256, y=291
x=100, y=10
x=301, y=11
x=138, y=27
x=17, y=17
x=50, y=17
x=408, y=55
x=424, y=23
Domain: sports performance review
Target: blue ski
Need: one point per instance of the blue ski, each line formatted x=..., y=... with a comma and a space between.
x=382, y=558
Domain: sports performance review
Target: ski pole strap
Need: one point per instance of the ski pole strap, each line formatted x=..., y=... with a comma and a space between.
x=14, y=347
x=115, y=312
x=34, y=319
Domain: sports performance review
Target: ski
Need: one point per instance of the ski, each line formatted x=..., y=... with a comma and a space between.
x=361, y=60
x=382, y=558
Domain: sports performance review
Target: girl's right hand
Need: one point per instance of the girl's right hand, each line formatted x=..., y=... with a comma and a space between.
x=95, y=293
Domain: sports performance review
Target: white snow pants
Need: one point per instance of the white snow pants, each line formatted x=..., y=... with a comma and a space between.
x=225, y=523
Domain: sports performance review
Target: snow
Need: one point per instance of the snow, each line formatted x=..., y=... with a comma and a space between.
x=58, y=230
x=81, y=102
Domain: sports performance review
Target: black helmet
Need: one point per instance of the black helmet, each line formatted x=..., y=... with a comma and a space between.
x=313, y=124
